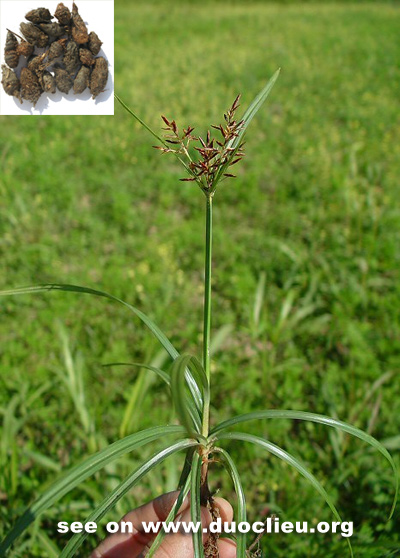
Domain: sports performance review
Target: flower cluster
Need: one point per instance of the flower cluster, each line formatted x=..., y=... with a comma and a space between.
x=214, y=156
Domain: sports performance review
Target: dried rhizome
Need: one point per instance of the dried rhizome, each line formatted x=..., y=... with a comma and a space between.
x=98, y=79
x=10, y=82
x=56, y=52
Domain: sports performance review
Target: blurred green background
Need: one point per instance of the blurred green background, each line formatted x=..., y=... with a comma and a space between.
x=306, y=258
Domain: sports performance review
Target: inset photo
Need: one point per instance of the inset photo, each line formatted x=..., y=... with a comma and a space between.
x=57, y=58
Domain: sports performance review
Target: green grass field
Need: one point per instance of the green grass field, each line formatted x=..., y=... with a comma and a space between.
x=306, y=259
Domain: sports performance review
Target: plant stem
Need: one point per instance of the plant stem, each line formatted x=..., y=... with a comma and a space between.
x=207, y=308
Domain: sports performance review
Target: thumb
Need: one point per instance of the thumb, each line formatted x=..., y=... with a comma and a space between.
x=180, y=544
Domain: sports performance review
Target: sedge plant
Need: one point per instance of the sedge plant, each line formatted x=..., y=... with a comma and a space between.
x=207, y=162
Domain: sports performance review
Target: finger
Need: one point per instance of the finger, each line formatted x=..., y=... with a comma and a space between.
x=225, y=509
x=181, y=544
x=124, y=545
x=156, y=510
x=227, y=548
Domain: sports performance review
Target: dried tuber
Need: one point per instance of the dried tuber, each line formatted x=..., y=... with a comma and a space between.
x=63, y=14
x=56, y=49
x=35, y=64
x=48, y=82
x=79, y=29
x=10, y=82
x=71, y=57
x=53, y=29
x=94, y=43
x=82, y=80
x=11, y=56
x=40, y=15
x=30, y=87
x=25, y=49
x=86, y=57
x=34, y=35
x=63, y=79
x=98, y=79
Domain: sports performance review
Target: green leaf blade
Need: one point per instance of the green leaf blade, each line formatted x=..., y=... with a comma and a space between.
x=290, y=460
x=248, y=116
x=241, y=513
x=184, y=491
x=141, y=122
x=82, y=471
x=109, y=502
x=255, y=107
x=321, y=419
x=152, y=132
x=188, y=415
x=195, y=509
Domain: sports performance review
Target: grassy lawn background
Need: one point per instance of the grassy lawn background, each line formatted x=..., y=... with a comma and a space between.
x=313, y=215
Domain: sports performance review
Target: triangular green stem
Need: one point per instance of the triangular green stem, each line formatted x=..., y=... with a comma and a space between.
x=207, y=308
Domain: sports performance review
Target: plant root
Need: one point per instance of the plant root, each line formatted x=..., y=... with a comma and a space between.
x=206, y=499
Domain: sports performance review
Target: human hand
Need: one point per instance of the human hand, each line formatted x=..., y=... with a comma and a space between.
x=136, y=544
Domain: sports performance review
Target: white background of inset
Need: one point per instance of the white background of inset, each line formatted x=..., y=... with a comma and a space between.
x=99, y=17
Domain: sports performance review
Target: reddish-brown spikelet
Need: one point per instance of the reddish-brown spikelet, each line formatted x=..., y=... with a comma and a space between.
x=215, y=157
